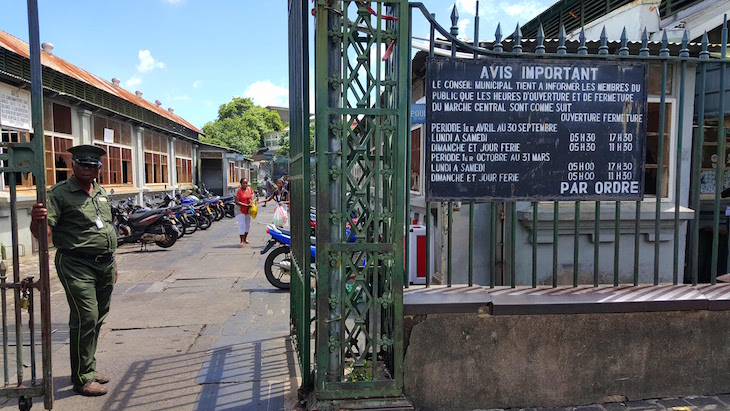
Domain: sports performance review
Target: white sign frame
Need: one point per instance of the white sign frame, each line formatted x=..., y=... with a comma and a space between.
x=108, y=135
x=15, y=108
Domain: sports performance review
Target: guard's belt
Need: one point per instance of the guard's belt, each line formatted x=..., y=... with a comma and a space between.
x=97, y=258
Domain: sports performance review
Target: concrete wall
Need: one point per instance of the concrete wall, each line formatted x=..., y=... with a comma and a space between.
x=467, y=361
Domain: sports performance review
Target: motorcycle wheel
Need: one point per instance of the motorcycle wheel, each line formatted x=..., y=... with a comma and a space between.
x=218, y=214
x=191, y=225
x=204, y=222
x=277, y=276
x=123, y=231
x=169, y=239
x=230, y=212
x=180, y=228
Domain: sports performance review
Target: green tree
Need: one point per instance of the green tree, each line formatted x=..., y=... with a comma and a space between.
x=284, y=146
x=241, y=125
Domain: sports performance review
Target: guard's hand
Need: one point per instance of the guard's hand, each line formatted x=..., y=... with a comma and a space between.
x=38, y=213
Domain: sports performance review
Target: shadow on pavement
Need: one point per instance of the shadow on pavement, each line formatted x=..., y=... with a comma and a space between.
x=62, y=388
x=248, y=376
x=252, y=376
x=227, y=246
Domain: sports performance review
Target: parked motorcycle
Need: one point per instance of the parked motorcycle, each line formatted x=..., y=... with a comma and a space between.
x=277, y=267
x=145, y=226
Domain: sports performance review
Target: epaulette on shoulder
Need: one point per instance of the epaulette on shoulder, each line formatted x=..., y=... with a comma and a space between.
x=57, y=185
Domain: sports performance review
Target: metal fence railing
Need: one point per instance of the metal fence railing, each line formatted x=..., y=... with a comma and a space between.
x=613, y=242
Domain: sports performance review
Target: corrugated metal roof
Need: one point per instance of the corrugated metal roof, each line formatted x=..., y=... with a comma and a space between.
x=17, y=46
x=576, y=13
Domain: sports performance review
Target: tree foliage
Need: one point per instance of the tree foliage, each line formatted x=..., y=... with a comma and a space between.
x=283, y=146
x=241, y=125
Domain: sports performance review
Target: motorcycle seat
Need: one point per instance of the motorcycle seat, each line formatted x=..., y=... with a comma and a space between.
x=142, y=214
x=226, y=198
x=284, y=231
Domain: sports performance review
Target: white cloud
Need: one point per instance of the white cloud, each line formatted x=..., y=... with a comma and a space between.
x=147, y=62
x=525, y=10
x=463, y=23
x=174, y=2
x=183, y=97
x=265, y=93
x=197, y=83
x=134, y=81
x=468, y=6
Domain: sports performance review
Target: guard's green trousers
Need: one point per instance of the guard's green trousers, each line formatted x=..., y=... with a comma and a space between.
x=88, y=288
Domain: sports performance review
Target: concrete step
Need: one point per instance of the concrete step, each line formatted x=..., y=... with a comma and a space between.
x=386, y=404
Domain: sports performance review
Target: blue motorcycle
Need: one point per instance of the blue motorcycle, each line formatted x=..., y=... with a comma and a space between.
x=278, y=263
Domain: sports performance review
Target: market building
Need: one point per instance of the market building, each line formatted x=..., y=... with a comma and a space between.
x=149, y=149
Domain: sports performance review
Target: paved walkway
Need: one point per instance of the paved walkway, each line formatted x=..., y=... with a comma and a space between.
x=192, y=327
x=197, y=327
x=713, y=403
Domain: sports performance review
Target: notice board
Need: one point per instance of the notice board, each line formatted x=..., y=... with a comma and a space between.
x=535, y=129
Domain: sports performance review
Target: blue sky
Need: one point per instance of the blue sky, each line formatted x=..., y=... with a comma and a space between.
x=194, y=55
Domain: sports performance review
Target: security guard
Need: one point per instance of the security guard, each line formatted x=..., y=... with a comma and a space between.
x=80, y=224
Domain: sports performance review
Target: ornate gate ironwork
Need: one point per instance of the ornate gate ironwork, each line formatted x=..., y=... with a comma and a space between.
x=361, y=109
x=23, y=158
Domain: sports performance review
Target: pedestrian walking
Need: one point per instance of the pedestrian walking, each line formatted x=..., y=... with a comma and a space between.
x=267, y=188
x=81, y=227
x=280, y=195
x=244, y=199
x=285, y=179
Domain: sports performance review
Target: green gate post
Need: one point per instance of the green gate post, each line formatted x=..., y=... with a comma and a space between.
x=361, y=110
x=300, y=292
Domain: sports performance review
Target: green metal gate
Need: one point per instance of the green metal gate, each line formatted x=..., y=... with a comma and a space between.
x=361, y=108
x=23, y=158
x=351, y=301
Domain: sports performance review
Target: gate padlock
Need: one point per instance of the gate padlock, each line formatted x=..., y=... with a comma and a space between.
x=25, y=290
x=24, y=297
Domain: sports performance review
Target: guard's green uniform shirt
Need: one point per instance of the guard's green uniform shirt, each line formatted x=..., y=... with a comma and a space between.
x=73, y=215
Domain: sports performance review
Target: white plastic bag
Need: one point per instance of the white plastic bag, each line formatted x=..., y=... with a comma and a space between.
x=281, y=217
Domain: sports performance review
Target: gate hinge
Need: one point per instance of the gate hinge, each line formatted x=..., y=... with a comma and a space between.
x=335, y=172
x=334, y=343
x=334, y=81
x=334, y=217
x=386, y=300
x=333, y=300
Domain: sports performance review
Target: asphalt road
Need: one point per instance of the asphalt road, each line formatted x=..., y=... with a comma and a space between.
x=192, y=327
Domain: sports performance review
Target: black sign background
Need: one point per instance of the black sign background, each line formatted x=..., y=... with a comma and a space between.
x=569, y=147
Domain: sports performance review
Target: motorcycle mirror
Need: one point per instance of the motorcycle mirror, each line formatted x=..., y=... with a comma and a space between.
x=111, y=192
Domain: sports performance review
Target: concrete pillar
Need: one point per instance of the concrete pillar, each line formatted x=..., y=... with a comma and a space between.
x=138, y=161
x=86, y=136
x=172, y=168
x=196, y=164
